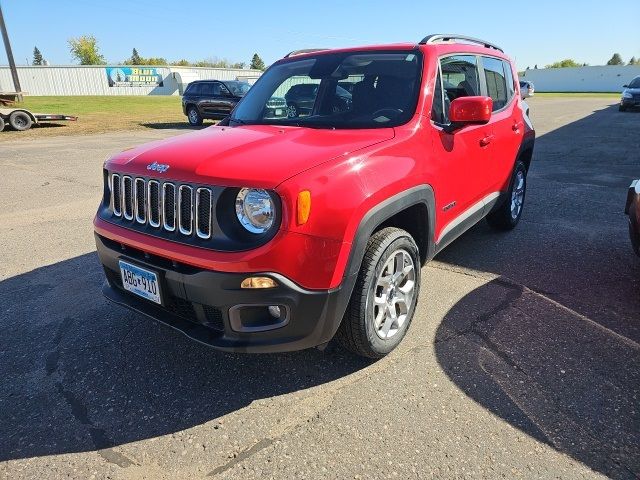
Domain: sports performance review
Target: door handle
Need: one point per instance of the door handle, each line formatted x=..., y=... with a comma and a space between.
x=486, y=140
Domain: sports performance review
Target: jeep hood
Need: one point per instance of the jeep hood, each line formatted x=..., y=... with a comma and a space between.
x=258, y=155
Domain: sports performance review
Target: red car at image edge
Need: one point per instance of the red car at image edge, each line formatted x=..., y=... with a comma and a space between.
x=266, y=234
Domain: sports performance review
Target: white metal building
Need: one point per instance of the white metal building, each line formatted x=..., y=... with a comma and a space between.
x=94, y=79
x=609, y=78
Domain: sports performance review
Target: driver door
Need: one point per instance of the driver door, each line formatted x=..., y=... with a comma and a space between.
x=459, y=158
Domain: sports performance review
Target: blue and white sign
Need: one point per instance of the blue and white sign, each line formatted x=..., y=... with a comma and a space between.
x=133, y=77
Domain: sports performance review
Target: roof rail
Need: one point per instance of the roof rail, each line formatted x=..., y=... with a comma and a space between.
x=303, y=51
x=450, y=37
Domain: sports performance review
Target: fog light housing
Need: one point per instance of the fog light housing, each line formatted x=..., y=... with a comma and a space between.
x=258, y=282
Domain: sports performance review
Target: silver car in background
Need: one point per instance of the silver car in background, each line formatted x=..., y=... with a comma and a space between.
x=526, y=89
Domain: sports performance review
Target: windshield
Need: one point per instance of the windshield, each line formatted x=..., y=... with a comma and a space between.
x=337, y=90
x=239, y=89
x=635, y=83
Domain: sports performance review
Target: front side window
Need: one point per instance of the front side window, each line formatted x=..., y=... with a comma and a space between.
x=496, y=82
x=365, y=89
x=458, y=77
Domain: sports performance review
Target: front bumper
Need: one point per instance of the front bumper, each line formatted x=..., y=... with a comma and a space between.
x=630, y=102
x=198, y=303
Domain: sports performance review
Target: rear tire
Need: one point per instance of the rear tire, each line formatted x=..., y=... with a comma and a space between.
x=20, y=121
x=1, y=124
x=507, y=216
x=194, y=117
x=385, y=295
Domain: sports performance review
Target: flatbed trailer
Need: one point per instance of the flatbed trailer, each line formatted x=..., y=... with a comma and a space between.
x=22, y=119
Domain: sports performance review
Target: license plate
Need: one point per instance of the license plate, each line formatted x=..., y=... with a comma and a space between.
x=140, y=281
x=278, y=111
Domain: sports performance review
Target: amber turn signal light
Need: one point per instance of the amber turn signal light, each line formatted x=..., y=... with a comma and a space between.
x=258, y=282
x=304, y=206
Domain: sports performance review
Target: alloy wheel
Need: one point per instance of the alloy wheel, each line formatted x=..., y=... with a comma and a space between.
x=393, y=294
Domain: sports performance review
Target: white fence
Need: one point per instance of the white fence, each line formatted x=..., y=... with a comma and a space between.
x=609, y=78
x=93, y=80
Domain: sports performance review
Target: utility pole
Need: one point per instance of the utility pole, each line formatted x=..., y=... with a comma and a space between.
x=12, y=63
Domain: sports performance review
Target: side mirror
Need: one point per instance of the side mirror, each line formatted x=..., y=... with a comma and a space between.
x=625, y=86
x=470, y=110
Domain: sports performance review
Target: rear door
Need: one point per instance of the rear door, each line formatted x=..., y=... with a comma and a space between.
x=507, y=125
x=208, y=98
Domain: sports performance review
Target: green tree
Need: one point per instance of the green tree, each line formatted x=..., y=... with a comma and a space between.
x=85, y=50
x=238, y=65
x=135, y=59
x=257, y=63
x=37, y=57
x=634, y=61
x=566, y=63
x=615, y=60
x=154, y=61
x=181, y=63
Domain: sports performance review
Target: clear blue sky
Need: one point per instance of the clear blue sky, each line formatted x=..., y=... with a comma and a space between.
x=531, y=31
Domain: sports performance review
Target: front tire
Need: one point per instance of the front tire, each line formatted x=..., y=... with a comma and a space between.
x=621, y=108
x=194, y=117
x=385, y=295
x=20, y=121
x=1, y=124
x=508, y=215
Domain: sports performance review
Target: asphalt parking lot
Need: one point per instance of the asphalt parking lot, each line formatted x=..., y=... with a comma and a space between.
x=523, y=359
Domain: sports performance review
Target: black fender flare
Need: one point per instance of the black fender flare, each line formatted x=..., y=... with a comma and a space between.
x=420, y=194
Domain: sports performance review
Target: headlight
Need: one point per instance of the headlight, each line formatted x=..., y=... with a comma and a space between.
x=627, y=95
x=255, y=209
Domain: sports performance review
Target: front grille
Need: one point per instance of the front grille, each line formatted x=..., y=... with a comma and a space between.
x=127, y=197
x=276, y=103
x=169, y=206
x=165, y=205
x=154, y=203
x=203, y=212
x=116, y=197
x=141, y=207
x=185, y=210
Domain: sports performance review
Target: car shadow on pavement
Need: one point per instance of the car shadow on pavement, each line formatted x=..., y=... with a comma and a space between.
x=551, y=345
x=79, y=374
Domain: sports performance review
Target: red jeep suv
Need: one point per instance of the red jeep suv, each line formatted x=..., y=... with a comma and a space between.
x=269, y=234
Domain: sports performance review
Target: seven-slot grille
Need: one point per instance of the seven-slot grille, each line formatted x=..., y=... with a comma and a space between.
x=165, y=205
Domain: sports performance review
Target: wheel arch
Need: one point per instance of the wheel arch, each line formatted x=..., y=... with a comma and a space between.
x=398, y=211
x=6, y=116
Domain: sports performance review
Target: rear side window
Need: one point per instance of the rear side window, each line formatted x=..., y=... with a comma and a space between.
x=193, y=89
x=496, y=82
x=511, y=87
